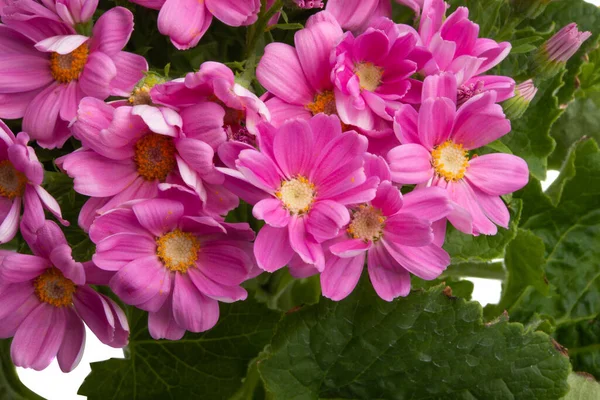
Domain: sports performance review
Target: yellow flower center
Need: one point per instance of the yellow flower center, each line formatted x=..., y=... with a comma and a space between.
x=66, y=67
x=450, y=160
x=367, y=224
x=297, y=195
x=369, y=75
x=53, y=288
x=178, y=250
x=12, y=182
x=155, y=156
x=324, y=103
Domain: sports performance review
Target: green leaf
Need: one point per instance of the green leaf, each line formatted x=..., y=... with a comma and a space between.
x=524, y=262
x=11, y=387
x=281, y=291
x=582, y=388
x=209, y=365
x=466, y=248
x=583, y=339
x=426, y=346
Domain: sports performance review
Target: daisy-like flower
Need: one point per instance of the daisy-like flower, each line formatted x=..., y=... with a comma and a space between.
x=456, y=47
x=21, y=176
x=48, y=69
x=126, y=154
x=176, y=266
x=299, y=78
x=46, y=300
x=393, y=234
x=355, y=15
x=435, y=152
x=310, y=171
x=371, y=74
x=186, y=21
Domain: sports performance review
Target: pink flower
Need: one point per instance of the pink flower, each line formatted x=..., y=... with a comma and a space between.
x=46, y=300
x=127, y=153
x=309, y=170
x=356, y=15
x=393, y=234
x=74, y=12
x=309, y=3
x=456, y=47
x=214, y=109
x=21, y=176
x=435, y=152
x=299, y=79
x=372, y=72
x=176, y=266
x=48, y=68
x=186, y=21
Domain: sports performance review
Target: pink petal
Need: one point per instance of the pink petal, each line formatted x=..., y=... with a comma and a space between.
x=314, y=46
x=196, y=19
x=304, y=244
x=410, y=164
x=293, y=148
x=39, y=337
x=280, y=72
x=204, y=121
x=114, y=252
x=64, y=44
x=325, y=219
x=426, y=262
x=96, y=313
x=234, y=12
x=340, y=276
x=162, y=325
x=97, y=74
x=22, y=73
x=191, y=309
x=62, y=258
x=352, y=14
x=71, y=350
x=197, y=154
x=430, y=203
x=388, y=198
x=279, y=109
x=18, y=306
x=498, y=174
x=272, y=248
x=272, y=212
x=406, y=125
x=461, y=193
x=40, y=117
x=259, y=170
x=408, y=230
x=493, y=207
x=338, y=155
x=214, y=290
x=442, y=85
x=159, y=216
x=10, y=225
x=436, y=117
x=115, y=221
x=112, y=31
x=131, y=68
x=13, y=105
x=388, y=279
x=350, y=247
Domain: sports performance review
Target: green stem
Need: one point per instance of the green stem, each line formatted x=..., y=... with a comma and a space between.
x=259, y=28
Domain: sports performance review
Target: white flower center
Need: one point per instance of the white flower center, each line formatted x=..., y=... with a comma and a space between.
x=367, y=224
x=178, y=250
x=297, y=195
x=450, y=160
x=369, y=75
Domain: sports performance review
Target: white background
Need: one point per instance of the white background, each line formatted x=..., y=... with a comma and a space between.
x=54, y=385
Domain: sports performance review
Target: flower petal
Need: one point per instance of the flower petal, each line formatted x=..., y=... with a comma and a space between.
x=191, y=309
x=272, y=248
x=112, y=31
x=158, y=215
x=498, y=174
x=388, y=279
x=340, y=276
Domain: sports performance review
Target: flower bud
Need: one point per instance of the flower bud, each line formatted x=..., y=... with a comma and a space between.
x=515, y=107
x=555, y=53
x=307, y=4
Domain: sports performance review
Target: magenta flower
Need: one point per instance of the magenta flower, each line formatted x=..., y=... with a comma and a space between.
x=435, y=152
x=21, y=176
x=177, y=267
x=372, y=72
x=62, y=67
x=126, y=154
x=214, y=109
x=299, y=79
x=308, y=4
x=46, y=300
x=456, y=47
x=310, y=171
x=74, y=12
x=393, y=234
x=356, y=15
x=186, y=21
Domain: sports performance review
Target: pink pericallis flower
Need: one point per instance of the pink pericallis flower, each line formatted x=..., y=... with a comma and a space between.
x=394, y=234
x=46, y=300
x=435, y=152
x=186, y=21
x=73, y=12
x=127, y=153
x=307, y=4
x=372, y=71
x=456, y=47
x=356, y=15
x=565, y=43
x=177, y=267
x=214, y=109
x=299, y=79
x=48, y=69
x=309, y=170
x=21, y=176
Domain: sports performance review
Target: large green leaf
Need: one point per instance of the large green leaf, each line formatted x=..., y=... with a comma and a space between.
x=467, y=248
x=583, y=340
x=209, y=365
x=582, y=388
x=428, y=345
x=11, y=387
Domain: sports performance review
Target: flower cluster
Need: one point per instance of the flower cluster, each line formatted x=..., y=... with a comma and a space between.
x=367, y=142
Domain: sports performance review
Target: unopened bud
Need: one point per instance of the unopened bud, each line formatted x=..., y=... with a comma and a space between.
x=554, y=54
x=515, y=107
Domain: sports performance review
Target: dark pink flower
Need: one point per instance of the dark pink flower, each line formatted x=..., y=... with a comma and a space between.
x=47, y=68
x=310, y=170
x=21, y=176
x=186, y=21
x=46, y=300
x=393, y=234
x=435, y=152
x=176, y=266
